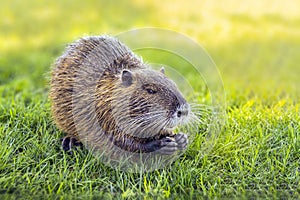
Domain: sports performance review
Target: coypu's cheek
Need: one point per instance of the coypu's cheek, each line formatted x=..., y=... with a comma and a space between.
x=138, y=107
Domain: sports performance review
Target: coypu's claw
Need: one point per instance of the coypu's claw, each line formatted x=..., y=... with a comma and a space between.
x=165, y=145
x=168, y=146
x=182, y=140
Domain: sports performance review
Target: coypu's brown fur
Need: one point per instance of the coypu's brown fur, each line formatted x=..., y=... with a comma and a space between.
x=100, y=89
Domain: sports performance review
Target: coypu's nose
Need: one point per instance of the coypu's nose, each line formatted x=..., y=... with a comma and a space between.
x=182, y=111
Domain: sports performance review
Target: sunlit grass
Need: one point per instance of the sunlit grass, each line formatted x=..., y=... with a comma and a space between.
x=255, y=45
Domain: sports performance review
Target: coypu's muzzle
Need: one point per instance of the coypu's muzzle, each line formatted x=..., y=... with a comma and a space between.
x=178, y=117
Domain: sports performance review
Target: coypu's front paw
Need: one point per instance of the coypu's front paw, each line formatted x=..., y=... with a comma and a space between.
x=181, y=140
x=168, y=146
x=174, y=143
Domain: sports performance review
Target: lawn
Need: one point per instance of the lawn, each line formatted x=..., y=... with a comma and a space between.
x=255, y=46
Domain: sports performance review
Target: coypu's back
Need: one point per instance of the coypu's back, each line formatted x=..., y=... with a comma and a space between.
x=88, y=57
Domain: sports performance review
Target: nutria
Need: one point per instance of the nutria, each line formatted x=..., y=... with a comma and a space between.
x=103, y=94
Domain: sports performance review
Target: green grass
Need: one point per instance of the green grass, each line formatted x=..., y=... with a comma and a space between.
x=256, y=50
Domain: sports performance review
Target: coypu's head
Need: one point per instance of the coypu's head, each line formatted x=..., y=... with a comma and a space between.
x=149, y=103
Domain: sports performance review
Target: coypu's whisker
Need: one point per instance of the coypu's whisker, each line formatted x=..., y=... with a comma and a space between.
x=135, y=123
x=193, y=104
x=140, y=118
x=146, y=126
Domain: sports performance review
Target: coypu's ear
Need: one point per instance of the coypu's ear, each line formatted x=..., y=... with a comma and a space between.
x=126, y=78
x=162, y=70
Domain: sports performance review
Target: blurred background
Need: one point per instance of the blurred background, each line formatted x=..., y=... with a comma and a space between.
x=255, y=44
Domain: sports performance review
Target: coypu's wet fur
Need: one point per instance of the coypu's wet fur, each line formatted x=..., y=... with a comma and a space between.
x=99, y=82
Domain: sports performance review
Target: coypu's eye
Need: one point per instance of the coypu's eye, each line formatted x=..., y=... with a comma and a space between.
x=150, y=91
